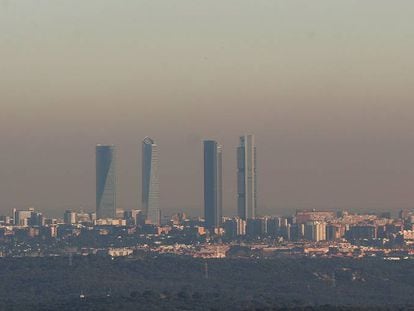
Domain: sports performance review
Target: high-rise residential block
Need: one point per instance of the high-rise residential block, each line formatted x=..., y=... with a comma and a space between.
x=315, y=231
x=70, y=217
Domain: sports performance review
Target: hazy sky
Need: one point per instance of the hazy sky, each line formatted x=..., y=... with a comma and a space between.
x=326, y=86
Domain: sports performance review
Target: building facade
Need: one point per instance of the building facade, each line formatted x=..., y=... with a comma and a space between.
x=70, y=217
x=246, y=178
x=22, y=217
x=105, y=181
x=315, y=231
x=213, y=187
x=150, y=182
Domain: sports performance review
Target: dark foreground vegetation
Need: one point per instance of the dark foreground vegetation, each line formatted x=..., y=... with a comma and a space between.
x=181, y=283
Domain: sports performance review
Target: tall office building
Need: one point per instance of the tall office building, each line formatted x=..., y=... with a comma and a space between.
x=150, y=183
x=105, y=181
x=213, y=188
x=246, y=178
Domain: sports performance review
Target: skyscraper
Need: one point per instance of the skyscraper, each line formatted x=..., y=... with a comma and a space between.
x=212, y=184
x=150, y=183
x=105, y=181
x=246, y=178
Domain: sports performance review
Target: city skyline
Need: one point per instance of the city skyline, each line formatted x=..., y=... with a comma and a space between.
x=153, y=161
x=325, y=86
x=207, y=155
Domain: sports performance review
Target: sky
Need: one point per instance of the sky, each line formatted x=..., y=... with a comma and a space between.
x=325, y=85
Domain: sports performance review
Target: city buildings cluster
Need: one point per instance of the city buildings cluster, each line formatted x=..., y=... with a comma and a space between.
x=118, y=232
x=311, y=232
x=106, y=182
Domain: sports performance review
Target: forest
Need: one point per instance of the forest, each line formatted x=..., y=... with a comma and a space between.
x=185, y=283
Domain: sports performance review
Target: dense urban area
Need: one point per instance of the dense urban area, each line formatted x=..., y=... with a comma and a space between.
x=314, y=259
x=129, y=259
x=306, y=234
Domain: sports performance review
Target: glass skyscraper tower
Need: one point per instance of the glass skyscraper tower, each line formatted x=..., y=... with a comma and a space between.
x=246, y=178
x=213, y=188
x=105, y=181
x=150, y=183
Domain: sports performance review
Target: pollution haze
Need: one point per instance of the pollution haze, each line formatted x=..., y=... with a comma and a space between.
x=325, y=86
